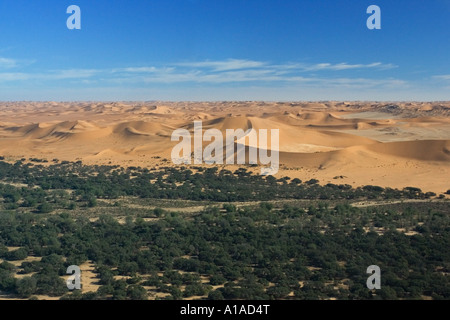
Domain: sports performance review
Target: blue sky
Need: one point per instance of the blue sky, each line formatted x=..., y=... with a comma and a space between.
x=224, y=50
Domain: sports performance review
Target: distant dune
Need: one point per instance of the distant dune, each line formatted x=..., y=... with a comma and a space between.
x=387, y=144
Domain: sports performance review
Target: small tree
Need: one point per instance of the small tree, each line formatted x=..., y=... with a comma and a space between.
x=137, y=292
x=92, y=202
x=215, y=295
x=229, y=207
x=18, y=254
x=217, y=279
x=158, y=212
x=45, y=208
x=26, y=287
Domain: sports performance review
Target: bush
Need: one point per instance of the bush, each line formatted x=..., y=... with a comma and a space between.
x=105, y=290
x=195, y=289
x=18, y=254
x=217, y=279
x=136, y=292
x=158, y=212
x=89, y=296
x=229, y=207
x=72, y=206
x=92, y=202
x=7, y=281
x=45, y=208
x=215, y=295
x=26, y=287
x=7, y=266
x=50, y=284
x=266, y=206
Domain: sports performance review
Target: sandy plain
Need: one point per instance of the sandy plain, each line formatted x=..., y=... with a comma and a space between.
x=395, y=145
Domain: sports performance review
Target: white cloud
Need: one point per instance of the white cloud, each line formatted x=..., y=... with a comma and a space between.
x=218, y=72
x=7, y=63
x=235, y=71
x=136, y=70
x=230, y=64
x=364, y=83
x=71, y=74
x=235, y=64
x=339, y=66
x=13, y=76
x=442, y=77
x=52, y=75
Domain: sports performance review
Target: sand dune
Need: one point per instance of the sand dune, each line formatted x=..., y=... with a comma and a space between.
x=141, y=127
x=388, y=144
x=428, y=150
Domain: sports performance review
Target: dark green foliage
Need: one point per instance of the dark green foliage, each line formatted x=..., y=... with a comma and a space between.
x=95, y=182
x=7, y=281
x=18, y=254
x=92, y=202
x=215, y=295
x=195, y=289
x=217, y=279
x=158, y=212
x=244, y=251
x=50, y=284
x=89, y=296
x=120, y=290
x=105, y=290
x=136, y=292
x=72, y=206
x=26, y=287
x=258, y=252
x=229, y=207
x=7, y=266
x=45, y=208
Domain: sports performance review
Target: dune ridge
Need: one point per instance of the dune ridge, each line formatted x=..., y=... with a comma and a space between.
x=388, y=144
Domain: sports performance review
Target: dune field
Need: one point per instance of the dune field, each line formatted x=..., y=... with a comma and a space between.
x=358, y=143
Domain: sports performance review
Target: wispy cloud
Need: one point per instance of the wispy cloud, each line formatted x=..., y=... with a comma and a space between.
x=8, y=63
x=225, y=65
x=346, y=66
x=218, y=72
x=238, y=71
x=14, y=76
x=77, y=74
x=234, y=64
x=442, y=77
x=135, y=70
x=71, y=74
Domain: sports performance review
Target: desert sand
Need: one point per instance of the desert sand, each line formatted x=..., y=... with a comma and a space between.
x=358, y=143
